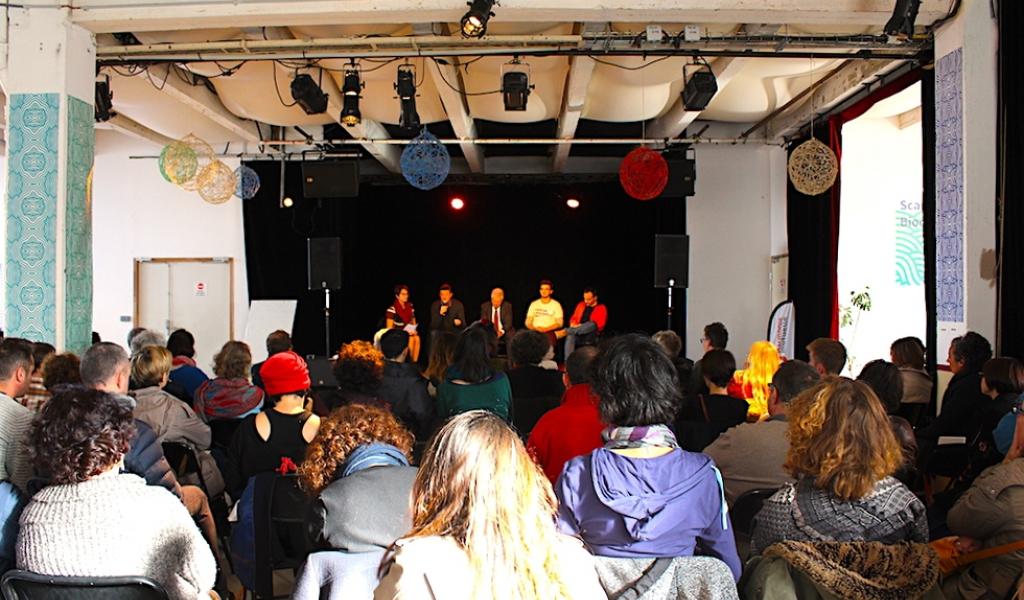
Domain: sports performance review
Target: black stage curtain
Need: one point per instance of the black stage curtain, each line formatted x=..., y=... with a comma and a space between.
x=928, y=210
x=509, y=235
x=1010, y=199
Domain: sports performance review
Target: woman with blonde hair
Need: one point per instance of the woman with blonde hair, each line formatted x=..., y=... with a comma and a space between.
x=483, y=524
x=842, y=453
x=753, y=382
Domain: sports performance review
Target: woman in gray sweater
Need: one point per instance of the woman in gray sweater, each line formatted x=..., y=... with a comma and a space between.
x=94, y=521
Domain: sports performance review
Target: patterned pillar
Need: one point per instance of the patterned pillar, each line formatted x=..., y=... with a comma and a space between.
x=48, y=270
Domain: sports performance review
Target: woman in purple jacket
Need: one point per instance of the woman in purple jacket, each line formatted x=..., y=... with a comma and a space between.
x=641, y=496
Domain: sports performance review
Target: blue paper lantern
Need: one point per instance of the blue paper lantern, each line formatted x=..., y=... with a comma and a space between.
x=247, y=182
x=425, y=161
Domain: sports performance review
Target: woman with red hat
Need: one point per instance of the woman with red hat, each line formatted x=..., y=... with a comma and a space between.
x=276, y=438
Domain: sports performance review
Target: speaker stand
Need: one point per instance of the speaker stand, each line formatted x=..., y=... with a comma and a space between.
x=327, y=322
x=671, y=284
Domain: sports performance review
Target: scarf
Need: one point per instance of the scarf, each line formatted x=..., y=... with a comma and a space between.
x=178, y=361
x=639, y=437
x=375, y=454
x=227, y=399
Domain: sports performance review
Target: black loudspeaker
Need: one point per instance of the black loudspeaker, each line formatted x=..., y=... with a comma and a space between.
x=323, y=259
x=682, y=177
x=671, y=260
x=331, y=179
x=321, y=372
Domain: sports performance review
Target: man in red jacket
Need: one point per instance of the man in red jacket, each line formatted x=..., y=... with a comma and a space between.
x=574, y=428
x=586, y=323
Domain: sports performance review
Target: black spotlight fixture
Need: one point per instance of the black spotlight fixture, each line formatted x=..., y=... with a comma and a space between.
x=405, y=85
x=901, y=24
x=350, y=115
x=474, y=22
x=307, y=94
x=700, y=86
x=515, y=85
x=104, y=104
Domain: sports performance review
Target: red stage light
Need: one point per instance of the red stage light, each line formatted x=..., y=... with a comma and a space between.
x=572, y=203
x=457, y=203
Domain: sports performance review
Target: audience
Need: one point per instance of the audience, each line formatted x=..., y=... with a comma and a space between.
x=402, y=386
x=37, y=393
x=535, y=390
x=442, y=353
x=61, y=369
x=753, y=382
x=1002, y=381
x=963, y=398
x=274, y=439
x=94, y=521
x=672, y=345
x=472, y=382
x=277, y=341
x=908, y=354
x=482, y=524
x=641, y=496
x=842, y=454
x=828, y=356
x=704, y=417
x=137, y=340
x=751, y=455
x=229, y=395
x=184, y=371
x=358, y=370
x=15, y=378
x=716, y=337
x=574, y=428
x=884, y=378
x=1004, y=431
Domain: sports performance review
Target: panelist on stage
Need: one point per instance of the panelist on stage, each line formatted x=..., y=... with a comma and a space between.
x=447, y=313
x=545, y=313
x=402, y=315
x=498, y=313
x=587, y=322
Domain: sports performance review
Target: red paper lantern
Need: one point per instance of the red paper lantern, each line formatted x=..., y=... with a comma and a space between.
x=643, y=174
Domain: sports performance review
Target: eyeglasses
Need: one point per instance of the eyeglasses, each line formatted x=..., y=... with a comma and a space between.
x=702, y=340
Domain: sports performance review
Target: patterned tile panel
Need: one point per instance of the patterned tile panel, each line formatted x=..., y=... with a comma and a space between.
x=78, y=227
x=949, y=187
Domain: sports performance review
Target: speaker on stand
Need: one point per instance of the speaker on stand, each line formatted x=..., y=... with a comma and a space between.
x=672, y=268
x=323, y=271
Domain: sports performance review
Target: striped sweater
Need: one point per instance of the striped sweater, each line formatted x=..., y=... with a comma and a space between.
x=15, y=421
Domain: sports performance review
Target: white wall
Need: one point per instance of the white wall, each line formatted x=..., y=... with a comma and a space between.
x=136, y=213
x=733, y=233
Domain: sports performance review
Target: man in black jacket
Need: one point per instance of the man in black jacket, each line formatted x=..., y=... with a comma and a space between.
x=403, y=387
x=447, y=313
x=498, y=314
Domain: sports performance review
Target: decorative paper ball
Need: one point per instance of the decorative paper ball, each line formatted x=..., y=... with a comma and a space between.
x=204, y=156
x=247, y=182
x=216, y=182
x=425, y=162
x=643, y=173
x=813, y=167
x=178, y=162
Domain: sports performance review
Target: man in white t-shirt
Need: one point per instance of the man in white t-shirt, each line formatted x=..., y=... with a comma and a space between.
x=545, y=313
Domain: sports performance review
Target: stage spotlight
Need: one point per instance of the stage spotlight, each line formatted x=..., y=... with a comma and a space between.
x=572, y=203
x=405, y=85
x=350, y=115
x=901, y=24
x=700, y=87
x=104, y=106
x=474, y=22
x=457, y=203
x=515, y=84
x=307, y=94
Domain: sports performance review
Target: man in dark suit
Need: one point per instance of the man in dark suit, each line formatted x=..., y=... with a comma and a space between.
x=447, y=313
x=498, y=313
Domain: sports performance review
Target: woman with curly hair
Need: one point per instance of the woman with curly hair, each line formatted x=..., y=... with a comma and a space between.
x=94, y=521
x=230, y=395
x=358, y=370
x=842, y=453
x=753, y=382
x=483, y=524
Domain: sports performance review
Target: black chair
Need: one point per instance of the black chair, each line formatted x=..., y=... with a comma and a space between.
x=23, y=585
x=185, y=463
x=279, y=511
x=746, y=507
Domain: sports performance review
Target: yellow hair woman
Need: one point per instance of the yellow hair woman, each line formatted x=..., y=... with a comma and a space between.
x=752, y=382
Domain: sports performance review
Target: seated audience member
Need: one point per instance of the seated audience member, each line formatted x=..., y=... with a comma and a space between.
x=1002, y=380
x=716, y=337
x=842, y=454
x=230, y=395
x=828, y=356
x=61, y=369
x=472, y=382
x=751, y=455
x=987, y=516
x=475, y=475
x=963, y=397
x=96, y=338
x=145, y=337
x=277, y=341
x=442, y=352
x=12, y=502
x=184, y=371
x=274, y=439
x=131, y=335
x=15, y=419
x=498, y=314
x=401, y=314
x=92, y=520
x=885, y=380
x=587, y=322
x=402, y=386
x=574, y=428
x=535, y=390
x=671, y=344
x=358, y=370
x=908, y=354
x=704, y=417
x=752, y=383
x=641, y=496
x=358, y=470
x=171, y=419
x=37, y=394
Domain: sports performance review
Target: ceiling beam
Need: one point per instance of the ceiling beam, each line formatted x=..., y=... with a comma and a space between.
x=454, y=101
x=574, y=98
x=846, y=81
x=200, y=99
x=125, y=125
x=108, y=16
x=673, y=123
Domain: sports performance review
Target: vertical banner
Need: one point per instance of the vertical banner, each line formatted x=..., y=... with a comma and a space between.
x=949, y=201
